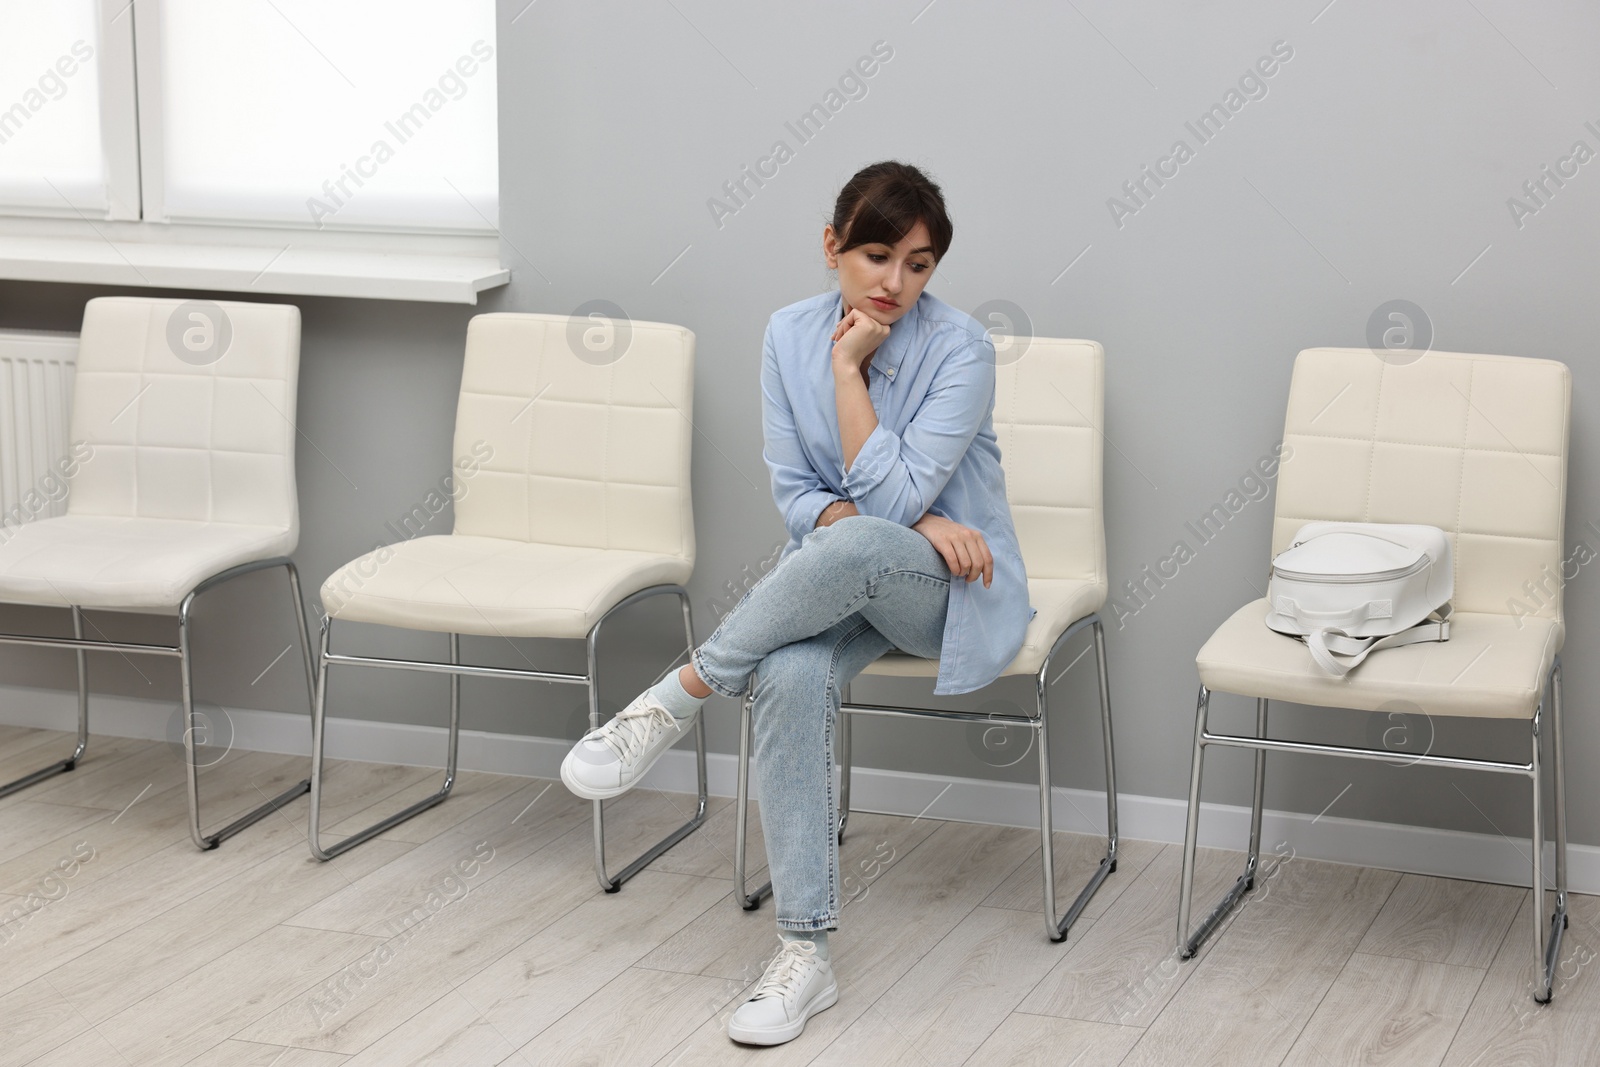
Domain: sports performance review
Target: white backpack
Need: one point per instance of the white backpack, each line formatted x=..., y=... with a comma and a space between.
x=1351, y=587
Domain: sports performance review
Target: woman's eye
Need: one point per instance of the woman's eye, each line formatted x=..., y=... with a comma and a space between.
x=876, y=257
x=919, y=267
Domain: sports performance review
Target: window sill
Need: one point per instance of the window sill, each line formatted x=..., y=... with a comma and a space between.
x=432, y=268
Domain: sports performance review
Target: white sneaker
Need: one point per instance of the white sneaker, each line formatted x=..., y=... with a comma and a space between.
x=797, y=985
x=611, y=759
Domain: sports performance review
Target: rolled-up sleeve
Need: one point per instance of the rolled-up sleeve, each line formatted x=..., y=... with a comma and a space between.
x=796, y=488
x=899, y=476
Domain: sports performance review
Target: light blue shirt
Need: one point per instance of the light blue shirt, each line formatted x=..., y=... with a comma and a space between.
x=932, y=387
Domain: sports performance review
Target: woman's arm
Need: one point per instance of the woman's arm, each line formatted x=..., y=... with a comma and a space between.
x=898, y=477
x=839, y=509
x=799, y=493
x=854, y=340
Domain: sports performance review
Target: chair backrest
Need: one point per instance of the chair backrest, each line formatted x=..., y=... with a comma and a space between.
x=186, y=410
x=1473, y=444
x=580, y=432
x=1049, y=416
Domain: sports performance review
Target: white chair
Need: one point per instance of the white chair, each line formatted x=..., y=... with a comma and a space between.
x=572, y=502
x=1048, y=416
x=184, y=478
x=1476, y=445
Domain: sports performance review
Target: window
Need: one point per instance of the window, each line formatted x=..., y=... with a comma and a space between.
x=364, y=113
x=53, y=128
x=353, y=139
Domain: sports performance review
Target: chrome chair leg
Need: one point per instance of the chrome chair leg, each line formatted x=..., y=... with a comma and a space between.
x=1047, y=854
x=456, y=670
x=306, y=656
x=1558, y=918
x=1252, y=862
x=319, y=737
x=83, y=694
x=845, y=721
x=1110, y=749
x=1543, y=966
x=747, y=900
x=203, y=840
x=1189, y=944
x=1056, y=929
x=181, y=651
x=62, y=766
x=608, y=882
x=1558, y=756
x=1547, y=935
x=1191, y=830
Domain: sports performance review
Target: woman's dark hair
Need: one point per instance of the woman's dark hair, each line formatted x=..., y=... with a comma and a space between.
x=883, y=201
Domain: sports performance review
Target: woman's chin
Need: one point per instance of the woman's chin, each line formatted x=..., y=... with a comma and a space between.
x=879, y=315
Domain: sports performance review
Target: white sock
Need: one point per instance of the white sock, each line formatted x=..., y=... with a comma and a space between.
x=675, y=698
x=816, y=937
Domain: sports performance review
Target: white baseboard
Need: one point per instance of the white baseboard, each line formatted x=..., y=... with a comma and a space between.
x=1392, y=846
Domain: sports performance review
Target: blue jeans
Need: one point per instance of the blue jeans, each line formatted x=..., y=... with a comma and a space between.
x=851, y=592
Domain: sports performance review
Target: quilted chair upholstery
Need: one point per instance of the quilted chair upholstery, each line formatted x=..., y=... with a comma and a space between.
x=1047, y=413
x=186, y=468
x=573, y=483
x=1473, y=444
x=571, y=489
x=180, y=476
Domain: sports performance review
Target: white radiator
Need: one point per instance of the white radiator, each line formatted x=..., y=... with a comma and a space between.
x=36, y=371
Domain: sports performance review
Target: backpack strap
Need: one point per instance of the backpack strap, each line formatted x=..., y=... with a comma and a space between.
x=1325, y=643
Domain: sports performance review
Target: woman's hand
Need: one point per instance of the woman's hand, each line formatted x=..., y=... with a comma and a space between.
x=839, y=509
x=855, y=338
x=964, y=550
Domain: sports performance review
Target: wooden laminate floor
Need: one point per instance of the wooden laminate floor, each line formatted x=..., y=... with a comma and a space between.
x=476, y=934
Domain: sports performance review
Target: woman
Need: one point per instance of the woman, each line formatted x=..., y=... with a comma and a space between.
x=876, y=408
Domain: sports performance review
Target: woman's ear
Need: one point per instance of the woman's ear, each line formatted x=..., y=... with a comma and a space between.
x=830, y=245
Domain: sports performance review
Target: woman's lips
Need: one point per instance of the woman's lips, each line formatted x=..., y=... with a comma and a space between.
x=886, y=305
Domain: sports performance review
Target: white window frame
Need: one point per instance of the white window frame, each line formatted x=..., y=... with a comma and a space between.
x=148, y=249
x=119, y=119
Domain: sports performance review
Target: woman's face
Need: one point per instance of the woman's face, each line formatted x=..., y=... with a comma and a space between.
x=882, y=281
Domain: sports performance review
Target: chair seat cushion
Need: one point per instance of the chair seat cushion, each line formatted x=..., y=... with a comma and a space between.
x=1493, y=666
x=129, y=564
x=452, y=583
x=1060, y=602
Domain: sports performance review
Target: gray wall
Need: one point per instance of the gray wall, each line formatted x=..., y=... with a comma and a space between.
x=1377, y=166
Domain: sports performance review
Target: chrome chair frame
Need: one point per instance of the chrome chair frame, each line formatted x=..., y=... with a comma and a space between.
x=1546, y=942
x=456, y=670
x=1055, y=929
x=81, y=647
